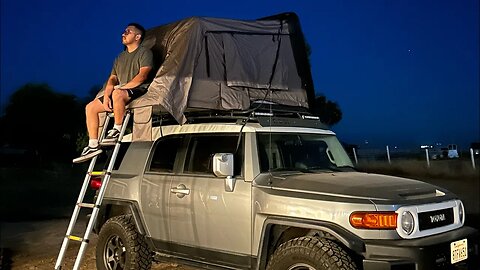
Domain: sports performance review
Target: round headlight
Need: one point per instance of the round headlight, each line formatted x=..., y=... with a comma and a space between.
x=460, y=212
x=407, y=222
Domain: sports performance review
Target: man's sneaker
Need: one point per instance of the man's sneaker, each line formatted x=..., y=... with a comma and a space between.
x=111, y=138
x=88, y=153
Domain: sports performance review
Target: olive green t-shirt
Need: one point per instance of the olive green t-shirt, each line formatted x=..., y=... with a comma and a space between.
x=127, y=65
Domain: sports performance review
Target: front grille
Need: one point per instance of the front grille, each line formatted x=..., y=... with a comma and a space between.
x=435, y=219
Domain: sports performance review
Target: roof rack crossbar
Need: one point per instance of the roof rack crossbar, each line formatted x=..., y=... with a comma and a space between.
x=212, y=116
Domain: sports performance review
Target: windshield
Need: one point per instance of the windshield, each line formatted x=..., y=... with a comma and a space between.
x=301, y=152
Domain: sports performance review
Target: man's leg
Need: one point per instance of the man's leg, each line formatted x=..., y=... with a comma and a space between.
x=91, y=112
x=92, y=149
x=120, y=99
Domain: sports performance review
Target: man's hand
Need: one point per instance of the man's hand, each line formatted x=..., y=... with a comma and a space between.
x=107, y=104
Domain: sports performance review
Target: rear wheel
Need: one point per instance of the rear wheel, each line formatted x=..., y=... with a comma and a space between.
x=310, y=253
x=121, y=247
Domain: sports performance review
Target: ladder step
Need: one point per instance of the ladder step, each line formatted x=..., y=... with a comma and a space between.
x=97, y=173
x=75, y=238
x=87, y=205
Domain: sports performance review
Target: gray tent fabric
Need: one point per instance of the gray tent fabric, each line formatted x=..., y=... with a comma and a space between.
x=224, y=64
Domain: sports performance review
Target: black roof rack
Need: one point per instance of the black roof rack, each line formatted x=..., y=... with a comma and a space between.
x=263, y=113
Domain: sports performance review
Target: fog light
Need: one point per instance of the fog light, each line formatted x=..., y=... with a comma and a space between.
x=460, y=211
x=407, y=222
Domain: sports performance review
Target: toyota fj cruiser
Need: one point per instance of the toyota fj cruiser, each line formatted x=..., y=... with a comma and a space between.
x=271, y=190
x=241, y=185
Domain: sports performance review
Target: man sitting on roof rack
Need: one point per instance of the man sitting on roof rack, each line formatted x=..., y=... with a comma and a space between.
x=128, y=81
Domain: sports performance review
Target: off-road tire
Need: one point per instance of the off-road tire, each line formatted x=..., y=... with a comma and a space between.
x=310, y=253
x=120, y=246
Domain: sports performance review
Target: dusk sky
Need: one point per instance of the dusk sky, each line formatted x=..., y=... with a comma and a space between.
x=404, y=72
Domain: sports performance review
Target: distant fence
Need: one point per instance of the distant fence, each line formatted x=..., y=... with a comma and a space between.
x=391, y=155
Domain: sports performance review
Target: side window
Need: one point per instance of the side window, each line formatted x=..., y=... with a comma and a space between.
x=166, y=150
x=202, y=148
x=121, y=153
x=104, y=160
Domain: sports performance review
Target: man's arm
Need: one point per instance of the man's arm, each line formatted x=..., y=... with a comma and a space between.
x=111, y=82
x=138, y=79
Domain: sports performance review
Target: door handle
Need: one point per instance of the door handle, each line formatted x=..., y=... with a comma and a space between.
x=181, y=190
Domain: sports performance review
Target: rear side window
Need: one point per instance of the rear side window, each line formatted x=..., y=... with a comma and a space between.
x=202, y=148
x=103, y=160
x=165, y=154
x=121, y=154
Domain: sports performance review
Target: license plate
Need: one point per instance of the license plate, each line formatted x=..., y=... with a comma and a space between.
x=459, y=250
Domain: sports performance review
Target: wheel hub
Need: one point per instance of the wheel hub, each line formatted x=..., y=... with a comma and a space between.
x=115, y=253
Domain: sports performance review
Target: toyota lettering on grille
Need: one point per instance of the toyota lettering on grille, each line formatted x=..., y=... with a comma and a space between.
x=437, y=218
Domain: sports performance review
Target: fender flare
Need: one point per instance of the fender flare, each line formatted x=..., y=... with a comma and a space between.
x=347, y=238
x=131, y=207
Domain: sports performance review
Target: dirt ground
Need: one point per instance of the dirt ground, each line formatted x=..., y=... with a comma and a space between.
x=35, y=246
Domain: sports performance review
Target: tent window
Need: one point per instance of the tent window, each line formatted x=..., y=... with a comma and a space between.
x=250, y=60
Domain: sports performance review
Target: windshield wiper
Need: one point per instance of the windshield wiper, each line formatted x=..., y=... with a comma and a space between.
x=290, y=169
x=316, y=169
x=341, y=168
x=329, y=168
x=347, y=167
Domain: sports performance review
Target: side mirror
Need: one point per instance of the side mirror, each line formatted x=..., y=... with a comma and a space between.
x=223, y=166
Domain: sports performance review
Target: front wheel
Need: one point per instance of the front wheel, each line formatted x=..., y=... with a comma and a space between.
x=121, y=247
x=310, y=253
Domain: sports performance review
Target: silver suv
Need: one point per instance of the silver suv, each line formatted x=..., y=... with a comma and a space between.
x=268, y=192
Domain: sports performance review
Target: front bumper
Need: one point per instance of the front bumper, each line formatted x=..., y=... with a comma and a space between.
x=426, y=253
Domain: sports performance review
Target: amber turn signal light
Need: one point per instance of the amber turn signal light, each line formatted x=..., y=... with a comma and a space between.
x=374, y=220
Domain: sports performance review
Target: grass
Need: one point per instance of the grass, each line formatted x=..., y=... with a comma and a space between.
x=439, y=169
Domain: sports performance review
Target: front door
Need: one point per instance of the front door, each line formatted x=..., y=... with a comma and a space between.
x=155, y=188
x=206, y=222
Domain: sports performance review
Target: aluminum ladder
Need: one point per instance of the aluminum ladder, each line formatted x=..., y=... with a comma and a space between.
x=94, y=206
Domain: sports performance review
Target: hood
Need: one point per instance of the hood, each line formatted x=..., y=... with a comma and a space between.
x=358, y=185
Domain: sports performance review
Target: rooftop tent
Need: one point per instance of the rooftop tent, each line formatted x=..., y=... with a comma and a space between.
x=224, y=64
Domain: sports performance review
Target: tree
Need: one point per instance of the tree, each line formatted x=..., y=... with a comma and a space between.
x=92, y=93
x=43, y=121
x=328, y=111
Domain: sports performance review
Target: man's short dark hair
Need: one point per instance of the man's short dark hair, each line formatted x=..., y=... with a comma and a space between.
x=139, y=27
